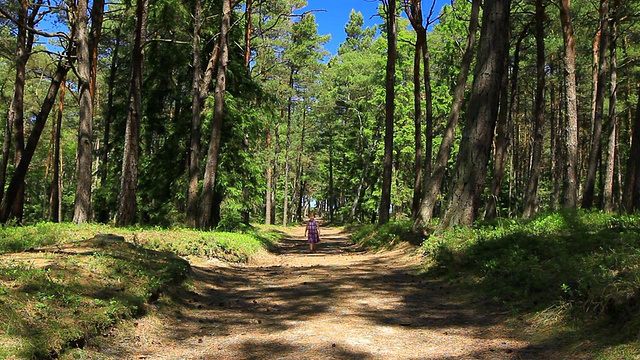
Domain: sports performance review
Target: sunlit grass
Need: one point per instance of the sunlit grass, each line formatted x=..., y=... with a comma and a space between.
x=63, y=283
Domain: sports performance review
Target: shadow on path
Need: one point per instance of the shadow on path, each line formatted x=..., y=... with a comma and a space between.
x=338, y=303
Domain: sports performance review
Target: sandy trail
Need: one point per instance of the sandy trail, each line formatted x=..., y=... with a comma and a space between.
x=338, y=303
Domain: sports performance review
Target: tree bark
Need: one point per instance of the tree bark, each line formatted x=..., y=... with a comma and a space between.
x=531, y=198
x=211, y=168
x=269, y=175
x=390, y=81
x=285, y=207
x=128, y=203
x=475, y=148
x=595, y=151
x=607, y=192
x=434, y=181
x=82, y=205
x=415, y=17
x=196, y=121
x=97, y=17
x=570, y=191
x=631, y=194
x=499, y=148
x=55, y=200
x=248, y=31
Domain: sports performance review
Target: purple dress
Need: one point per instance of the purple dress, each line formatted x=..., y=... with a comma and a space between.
x=312, y=231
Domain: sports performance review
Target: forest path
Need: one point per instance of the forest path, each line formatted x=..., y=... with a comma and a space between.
x=338, y=303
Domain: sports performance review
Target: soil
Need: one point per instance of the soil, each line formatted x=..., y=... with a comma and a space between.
x=338, y=303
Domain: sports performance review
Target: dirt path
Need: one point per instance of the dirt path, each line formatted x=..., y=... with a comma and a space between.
x=339, y=303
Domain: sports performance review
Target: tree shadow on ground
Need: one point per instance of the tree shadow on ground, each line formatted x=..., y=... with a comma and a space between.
x=272, y=299
x=330, y=244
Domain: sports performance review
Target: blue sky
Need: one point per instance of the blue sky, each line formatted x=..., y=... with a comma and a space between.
x=332, y=15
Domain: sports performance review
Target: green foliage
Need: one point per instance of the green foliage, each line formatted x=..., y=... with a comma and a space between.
x=588, y=261
x=380, y=237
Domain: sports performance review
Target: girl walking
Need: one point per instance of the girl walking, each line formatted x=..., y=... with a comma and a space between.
x=311, y=232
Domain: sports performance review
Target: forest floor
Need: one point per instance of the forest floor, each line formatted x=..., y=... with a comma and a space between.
x=338, y=303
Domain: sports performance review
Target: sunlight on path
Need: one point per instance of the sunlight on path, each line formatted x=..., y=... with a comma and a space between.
x=337, y=303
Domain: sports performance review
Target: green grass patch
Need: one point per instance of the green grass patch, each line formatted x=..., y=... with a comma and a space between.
x=570, y=266
x=227, y=246
x=56, y=297
x=383, y=237
x=62, y=283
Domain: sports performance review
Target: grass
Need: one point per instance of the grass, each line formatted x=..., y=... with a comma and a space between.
x=573, y=276
x=570, y=270
x=61, y=283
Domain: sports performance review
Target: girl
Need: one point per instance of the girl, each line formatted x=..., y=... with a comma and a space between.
x=311, y=232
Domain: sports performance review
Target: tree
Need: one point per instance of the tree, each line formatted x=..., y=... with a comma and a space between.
x=211, y=167
x=414, y=12
x=596, y=148
x=538, y=114
x=570, y=190
x=434, y=181
x=82, y=207
x=631, y=194
x=471, y=164
x=26, y=19
x=128, y=203
x=609, y=178
x=390, y=81
x=17, y=180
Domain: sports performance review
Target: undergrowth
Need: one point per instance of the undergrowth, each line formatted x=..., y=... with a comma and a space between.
x=579, y=266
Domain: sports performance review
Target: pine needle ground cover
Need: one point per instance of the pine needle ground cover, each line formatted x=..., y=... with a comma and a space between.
x=62, y=283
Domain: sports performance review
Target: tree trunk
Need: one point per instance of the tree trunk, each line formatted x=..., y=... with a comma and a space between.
x=285, y=207
x=631, y=194
x=82, y=205
x=390, y=81
x=211, y=167
x=595, y=152
x=196, y=122
x=24, y=42
x=531, y=198
x=6, y=152
x=332, y=197
x=499, y=148
x=475, y=148
x=428, y=144
x=248, y=31
x=268, y=195
x=434, y=181
x=128, y=203
x=17, y=180
x=415, y=17
x=363, y=174
x=55, y=200
x=570, y=191
x=607, y=192
x=298, y=182
x=106, y=139
x=97, y=17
